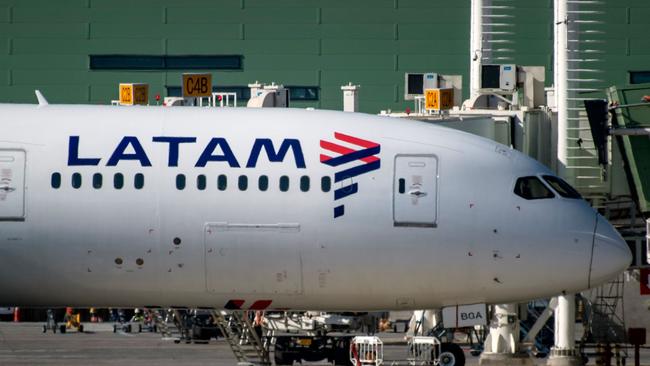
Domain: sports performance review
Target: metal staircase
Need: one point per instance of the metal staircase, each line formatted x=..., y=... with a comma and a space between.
x=544, y=339
x=607, y=322
x=248, y=346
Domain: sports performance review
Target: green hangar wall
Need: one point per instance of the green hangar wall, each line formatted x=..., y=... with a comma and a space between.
x=314, y=46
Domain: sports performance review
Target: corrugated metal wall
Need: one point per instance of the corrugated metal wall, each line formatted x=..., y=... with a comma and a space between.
x=45, y=43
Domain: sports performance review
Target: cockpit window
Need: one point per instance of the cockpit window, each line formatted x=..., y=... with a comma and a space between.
x=531, y=188
x=561, y=187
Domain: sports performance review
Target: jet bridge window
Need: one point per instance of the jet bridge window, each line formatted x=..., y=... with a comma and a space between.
x=56, y=180
x=531, y=188
x=76, y=180
x=118, y=180
x=138, y=181
x=563, y=188
x=639, y=77
x=98, y=180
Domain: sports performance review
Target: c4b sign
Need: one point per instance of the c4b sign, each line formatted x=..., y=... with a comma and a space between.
x=197, y=85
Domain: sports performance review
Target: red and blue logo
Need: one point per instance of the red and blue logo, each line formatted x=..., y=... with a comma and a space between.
x=355, y=150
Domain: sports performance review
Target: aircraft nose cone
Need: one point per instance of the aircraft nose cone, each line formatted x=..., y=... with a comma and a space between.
x=610, y=255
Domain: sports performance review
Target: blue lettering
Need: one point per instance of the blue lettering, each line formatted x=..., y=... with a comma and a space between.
x=173, y=146
x=73, y=154
x=120, y=154
x=267, y=144
x=207, y=156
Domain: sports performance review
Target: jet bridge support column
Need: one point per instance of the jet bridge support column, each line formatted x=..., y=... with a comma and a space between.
x=476, y=47
x=564, y=352
x=502, y=344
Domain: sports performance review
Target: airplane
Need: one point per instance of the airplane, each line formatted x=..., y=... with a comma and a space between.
x=284, y=209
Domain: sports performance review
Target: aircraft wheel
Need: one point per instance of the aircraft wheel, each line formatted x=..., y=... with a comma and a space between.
x=451, y=355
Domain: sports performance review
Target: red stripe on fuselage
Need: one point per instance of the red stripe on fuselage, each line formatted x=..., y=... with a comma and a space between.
x=261, y=304
x=342, y=150
x=355, y=140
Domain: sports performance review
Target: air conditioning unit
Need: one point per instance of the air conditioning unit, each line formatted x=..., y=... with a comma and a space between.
x=501, y=79
x=416, y=83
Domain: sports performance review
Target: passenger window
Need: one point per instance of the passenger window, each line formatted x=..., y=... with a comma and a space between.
x=118, y=181
x=242, y=183
x=201, y=182
x=56, y=180
x=138, y=181
x=284, y=183
x=531, y=188
x=97, y=180
x=563, y=188
x=222, y=182
x=326, y=184
x=263, y=183
x=180, y=181
x=304, y=183
x=76, y=180
x=402, y=185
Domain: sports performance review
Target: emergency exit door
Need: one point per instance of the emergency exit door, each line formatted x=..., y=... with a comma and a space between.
x=12, y=185
x=415, y=197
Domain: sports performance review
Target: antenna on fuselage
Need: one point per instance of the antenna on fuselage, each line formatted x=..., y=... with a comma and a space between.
x=41, y=99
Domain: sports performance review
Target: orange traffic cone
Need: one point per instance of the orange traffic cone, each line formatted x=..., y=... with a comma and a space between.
x=16, y=314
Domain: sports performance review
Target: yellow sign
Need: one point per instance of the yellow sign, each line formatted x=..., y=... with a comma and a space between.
x=131, y=94
x=197, y=85
x=304, y=342
x=438, y=99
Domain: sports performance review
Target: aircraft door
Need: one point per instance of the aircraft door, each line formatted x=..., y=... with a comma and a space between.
x=12, y=185
x=252, y=258
x=415, y=192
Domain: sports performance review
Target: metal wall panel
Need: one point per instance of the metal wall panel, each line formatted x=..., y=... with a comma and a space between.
x=308, y=42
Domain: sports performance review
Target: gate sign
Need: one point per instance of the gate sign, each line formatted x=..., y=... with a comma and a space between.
x=134, y=93
x=438, y=99
x=197, y=85
x=461, y=316
x=645, y=281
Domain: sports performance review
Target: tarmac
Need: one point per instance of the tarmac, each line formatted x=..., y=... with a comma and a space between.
x=26, y=344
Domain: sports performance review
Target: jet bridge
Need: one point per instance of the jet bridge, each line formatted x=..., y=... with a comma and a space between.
x=631, y=129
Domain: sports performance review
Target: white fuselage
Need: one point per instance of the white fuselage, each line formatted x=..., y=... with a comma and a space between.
x=430, y=219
